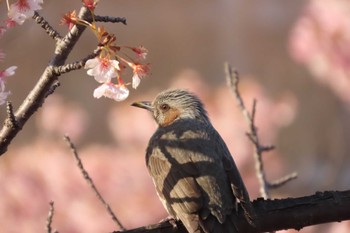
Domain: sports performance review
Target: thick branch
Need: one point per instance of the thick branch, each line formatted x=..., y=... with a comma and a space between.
x=36, y=97
x=274, y=215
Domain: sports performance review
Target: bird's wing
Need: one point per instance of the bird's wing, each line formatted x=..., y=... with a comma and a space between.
x=173, y=184
x=194, y=179
x=178, y=191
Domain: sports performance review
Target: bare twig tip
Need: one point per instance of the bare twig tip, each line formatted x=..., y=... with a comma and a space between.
x=11, y=118
x=282, y=181
x=232, y=77
x=91, y=182
x=109, y=19
x=50, y=218
x=46, y=26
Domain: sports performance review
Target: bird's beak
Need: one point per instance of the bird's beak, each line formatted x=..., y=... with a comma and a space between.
x=143, y=104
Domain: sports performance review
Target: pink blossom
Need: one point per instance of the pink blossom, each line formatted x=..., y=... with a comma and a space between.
x=23, y=9
x=70, y=19
x=10, y=23
x=8, y=72
x=140, y=51
x=91, y=4
x=140, y=71
x=110, y=90
x=320, y=40
x=103, y=69
x=3, y=75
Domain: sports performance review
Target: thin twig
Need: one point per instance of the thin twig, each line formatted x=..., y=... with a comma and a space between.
x=53, y=87
x=11, y=118
x=232, y=78
x=75, y=65
x=91, y=183
x=47, y=27
x=50, y=218
x=267, y=148
x=283, y=180
x=109, y=19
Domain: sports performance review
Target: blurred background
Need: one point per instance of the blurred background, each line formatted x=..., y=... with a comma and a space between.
x=293, y=57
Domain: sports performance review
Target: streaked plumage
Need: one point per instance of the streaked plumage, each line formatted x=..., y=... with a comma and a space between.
x=191, y=166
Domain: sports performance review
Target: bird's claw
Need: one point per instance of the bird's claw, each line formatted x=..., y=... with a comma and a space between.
x=171, y=220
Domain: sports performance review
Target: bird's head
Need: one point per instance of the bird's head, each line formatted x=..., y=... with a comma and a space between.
x=172, y=105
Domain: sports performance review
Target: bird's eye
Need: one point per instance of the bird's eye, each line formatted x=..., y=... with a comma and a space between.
x=164, y=107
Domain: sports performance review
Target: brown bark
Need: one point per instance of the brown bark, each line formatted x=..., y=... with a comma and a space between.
x=279, y=214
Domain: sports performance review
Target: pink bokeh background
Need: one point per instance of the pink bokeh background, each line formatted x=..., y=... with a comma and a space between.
x=280, y=49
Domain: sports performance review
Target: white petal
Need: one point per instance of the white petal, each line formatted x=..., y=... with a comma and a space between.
x=109, y=90
x=121, y=94
x=10, y=71
x=91, y=63
x=115, y=64
x=35, y=5
x=102, y=78
x=110, y=72
x=99, y=92
x=16, y=16
x=135, y=81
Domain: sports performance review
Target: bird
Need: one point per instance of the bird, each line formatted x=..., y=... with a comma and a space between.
x=191, y=167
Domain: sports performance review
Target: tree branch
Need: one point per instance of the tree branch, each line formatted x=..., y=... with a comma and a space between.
x=109, y=19
x=48, y=79
x=283, y=180
x=11, y=119
x=232, y=78
x=280, y=214
x=47, y=27
x=75, y=65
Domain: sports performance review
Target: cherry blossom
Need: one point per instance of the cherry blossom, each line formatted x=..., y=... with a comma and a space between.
x=140, y=51
x=103, y=69
x=3, y=75
x=69, y=19
x=23, y=9
x=140, y=71
x=110, y=90
x=320, y=40
x=91, y=4
x=7, y=73
x=10, y=23
x=135, y=81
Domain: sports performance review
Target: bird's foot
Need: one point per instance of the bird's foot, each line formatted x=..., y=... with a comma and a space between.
x=171, y=220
